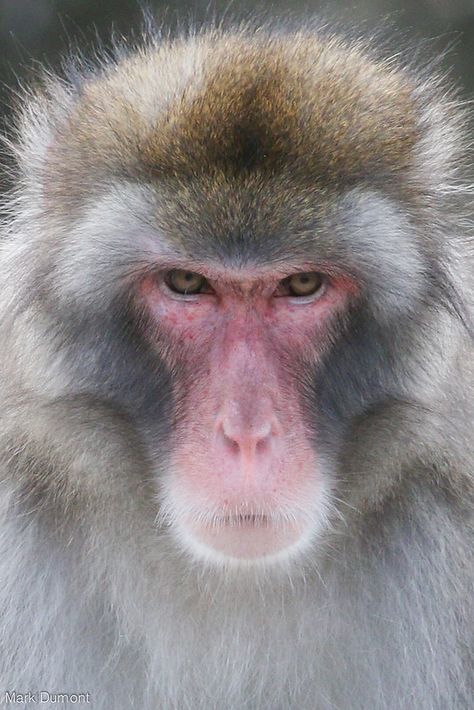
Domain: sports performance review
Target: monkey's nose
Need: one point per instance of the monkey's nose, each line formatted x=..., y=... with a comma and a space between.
x=246, y=438
x=245, y=431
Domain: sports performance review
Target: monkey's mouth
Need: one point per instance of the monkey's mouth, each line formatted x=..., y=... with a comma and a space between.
x=244, y=520
x=243, y=536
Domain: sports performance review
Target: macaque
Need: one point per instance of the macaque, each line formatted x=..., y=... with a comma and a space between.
x=237, y=457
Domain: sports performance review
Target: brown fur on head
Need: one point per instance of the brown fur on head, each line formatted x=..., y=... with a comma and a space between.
x=243, y=103
x=302, y=109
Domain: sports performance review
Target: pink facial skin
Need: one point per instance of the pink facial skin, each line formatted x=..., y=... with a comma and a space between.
x=245, y=479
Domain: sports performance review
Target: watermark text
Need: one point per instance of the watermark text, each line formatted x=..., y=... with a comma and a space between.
x=43, y=697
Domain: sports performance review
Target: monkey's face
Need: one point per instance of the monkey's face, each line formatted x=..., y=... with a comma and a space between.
x=239, y=267
x=245, y=477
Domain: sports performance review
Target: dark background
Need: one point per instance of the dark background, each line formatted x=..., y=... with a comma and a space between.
x=41, y=30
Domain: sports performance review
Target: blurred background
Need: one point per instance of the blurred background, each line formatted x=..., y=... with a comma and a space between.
x=41, y=30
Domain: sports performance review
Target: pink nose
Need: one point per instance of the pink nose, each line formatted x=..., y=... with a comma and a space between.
x=241, y=438
x=247, y=427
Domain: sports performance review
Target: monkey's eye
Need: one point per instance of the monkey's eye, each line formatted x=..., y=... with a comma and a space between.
x=187, y=283
x=303, y=284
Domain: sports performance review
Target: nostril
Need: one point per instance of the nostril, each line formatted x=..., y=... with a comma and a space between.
x=231, y=443
x=227, y=437
x=263, y=445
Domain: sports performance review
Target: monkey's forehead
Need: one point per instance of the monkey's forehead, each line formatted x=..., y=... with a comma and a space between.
x=240, y=103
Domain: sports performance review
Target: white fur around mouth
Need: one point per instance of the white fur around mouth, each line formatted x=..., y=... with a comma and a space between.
x=244, y=534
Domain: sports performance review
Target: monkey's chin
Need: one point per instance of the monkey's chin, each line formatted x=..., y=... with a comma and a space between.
x=247, y=539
